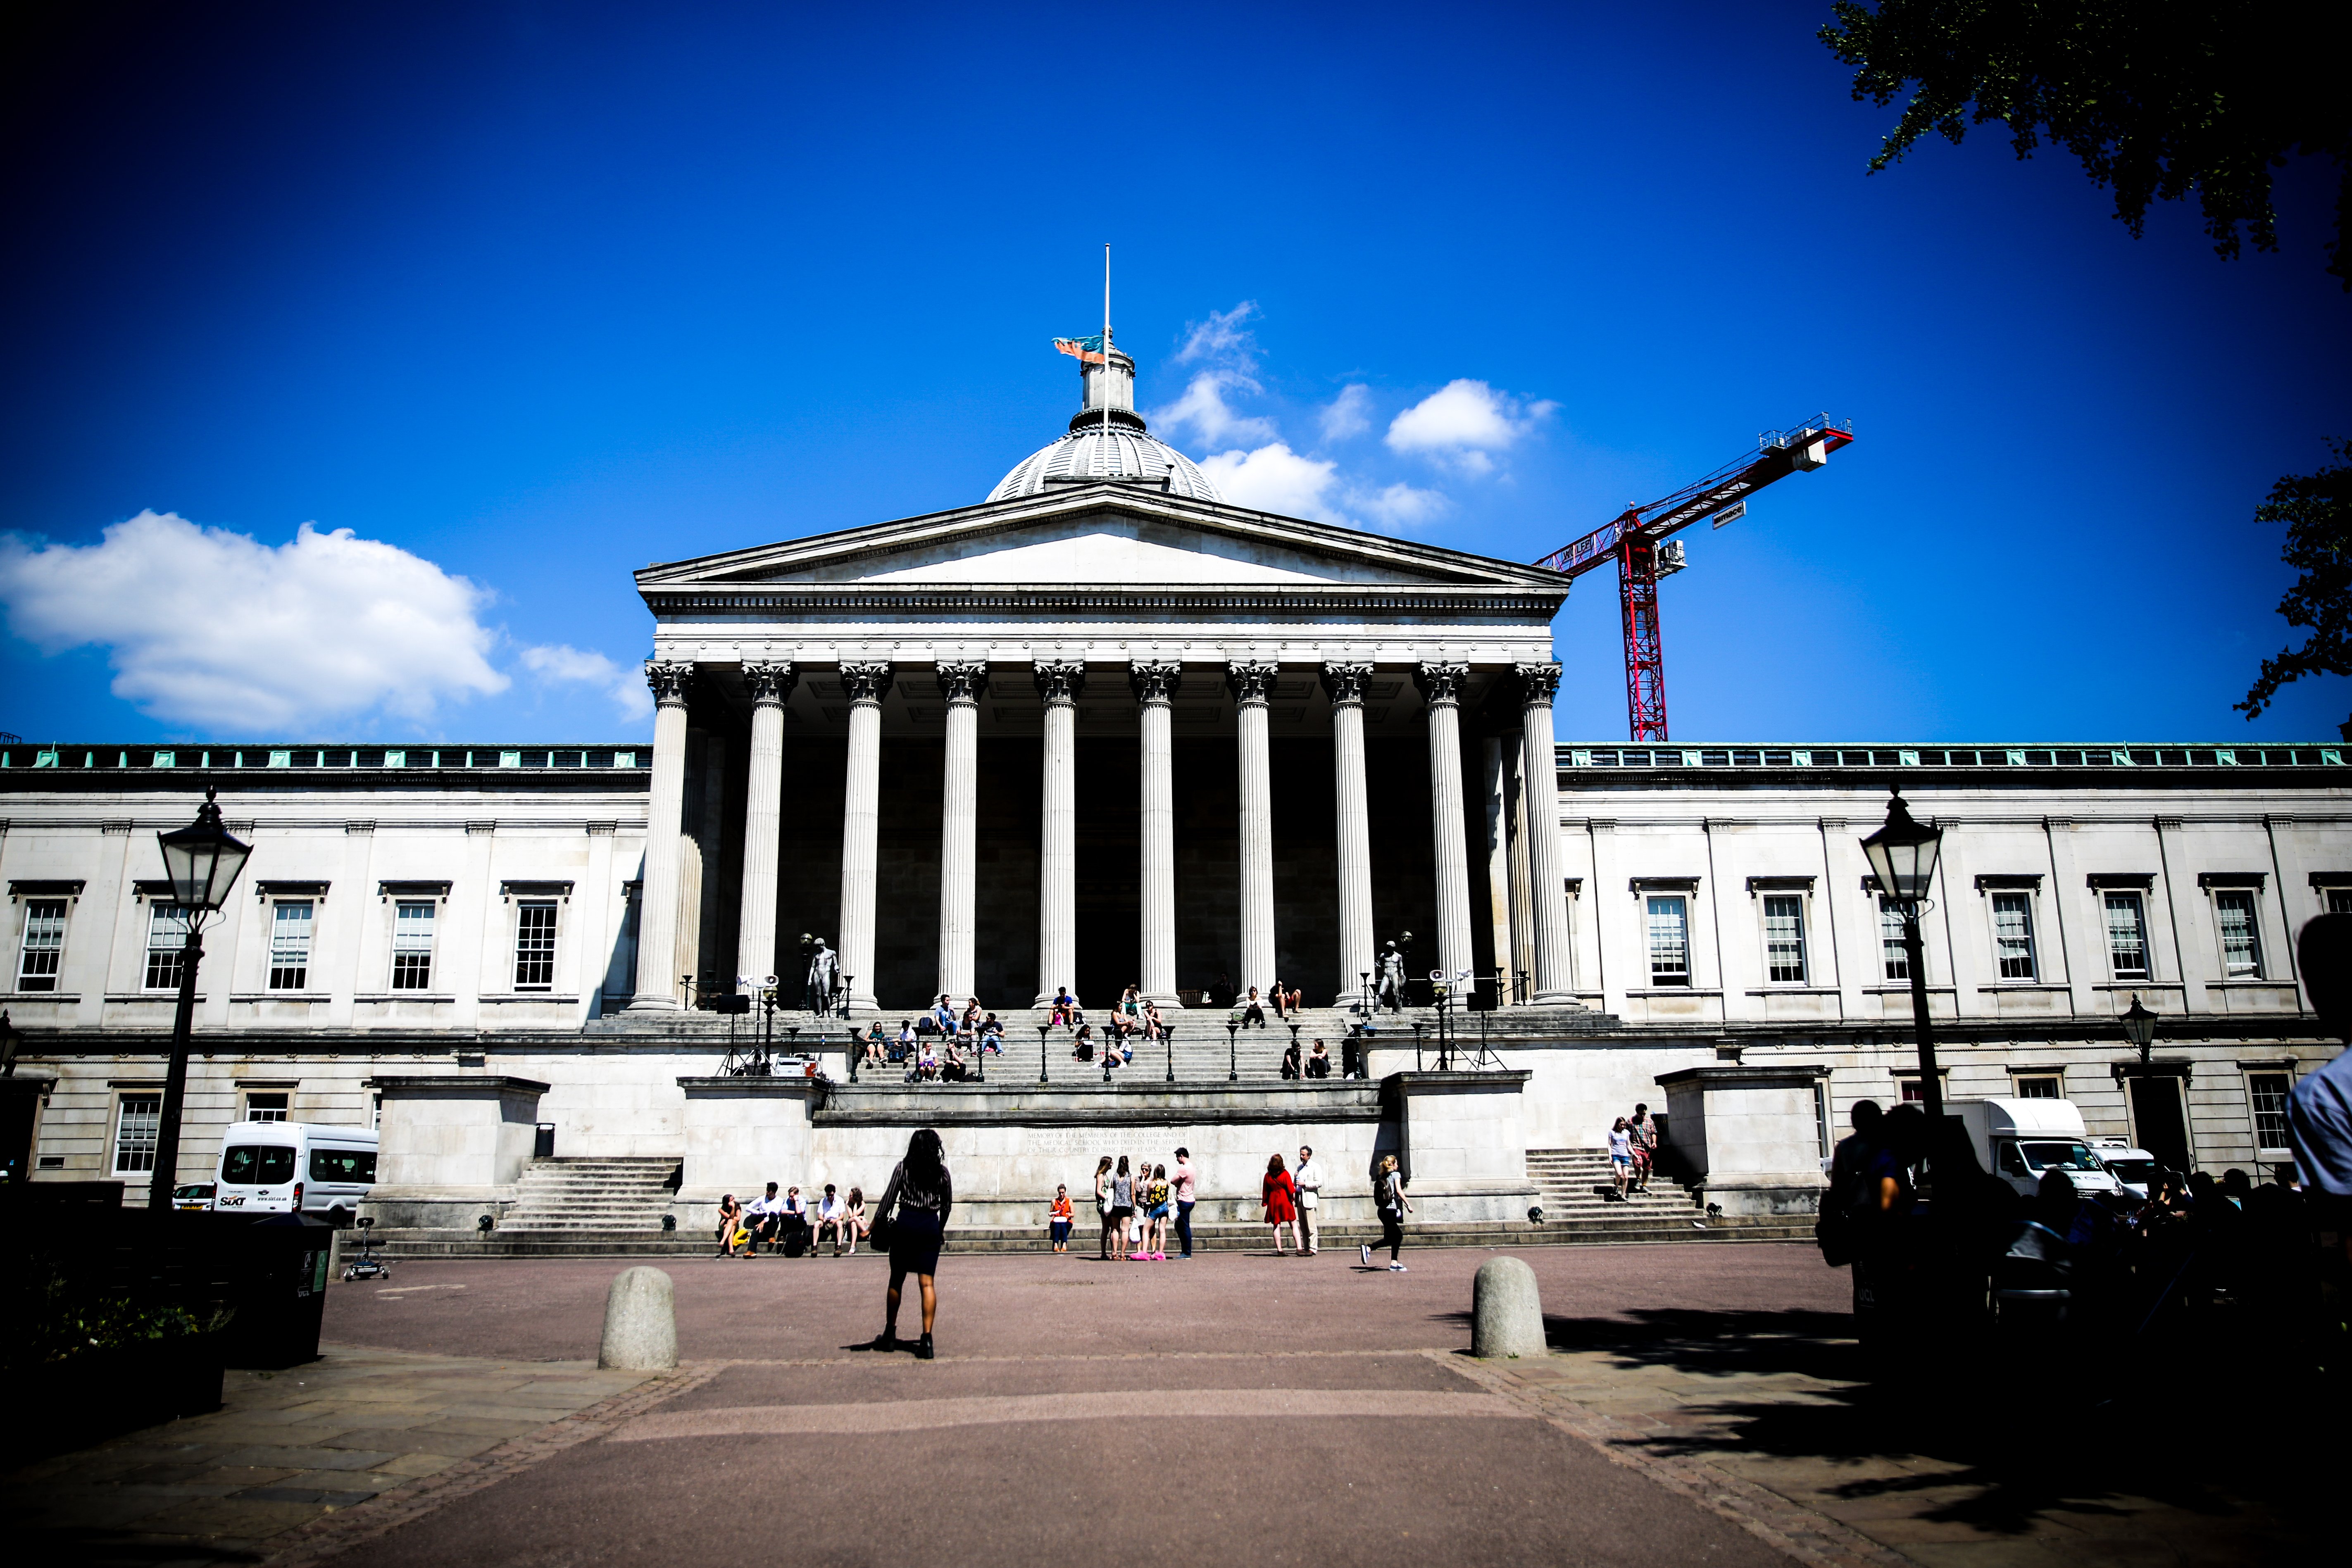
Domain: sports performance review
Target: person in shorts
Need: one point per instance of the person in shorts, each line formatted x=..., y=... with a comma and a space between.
x=1621, y=1157
x=1122, y=1207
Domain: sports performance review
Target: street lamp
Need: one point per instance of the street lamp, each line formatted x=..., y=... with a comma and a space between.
x=202, y=861
x=1042, y=1029
x=2139, y=1027
x=1167, y=1034
x=1233, y=1053
x=1903, y=863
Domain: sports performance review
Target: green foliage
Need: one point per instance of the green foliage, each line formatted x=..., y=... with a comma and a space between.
x=51, y=1317
x=2157, y=98
x=2317, y=511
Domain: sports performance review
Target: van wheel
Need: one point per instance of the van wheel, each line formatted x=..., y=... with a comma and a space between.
x=341, y=1218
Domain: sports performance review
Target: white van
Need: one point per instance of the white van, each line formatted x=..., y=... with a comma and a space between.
x=2018, y=1140
x=2135, y=1170
x=285, y=1167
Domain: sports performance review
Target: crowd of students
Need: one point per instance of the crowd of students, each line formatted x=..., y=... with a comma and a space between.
x=789, y=1226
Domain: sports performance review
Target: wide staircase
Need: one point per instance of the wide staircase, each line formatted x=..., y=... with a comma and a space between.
x=574, y=1198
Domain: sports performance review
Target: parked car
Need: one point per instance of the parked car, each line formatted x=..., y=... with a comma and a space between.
x=196, y=1197
x=295, y=1167
x=2135, y=1171
x=2018, y=1140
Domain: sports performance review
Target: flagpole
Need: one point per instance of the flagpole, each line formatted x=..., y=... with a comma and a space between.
x=1106, y=348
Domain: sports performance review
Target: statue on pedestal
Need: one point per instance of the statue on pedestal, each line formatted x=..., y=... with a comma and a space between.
x=823, y=976
x=1390, y=992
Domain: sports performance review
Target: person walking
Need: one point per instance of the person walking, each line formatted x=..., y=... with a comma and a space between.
x=915, y=1208
x=1281, y=1195
x=1058, y=1219
x=1387, y=1197
x=1184, y=1190
x=1102, y=1205
x=1644, y=1135
x=1309, y=1179
x=1621, y=1157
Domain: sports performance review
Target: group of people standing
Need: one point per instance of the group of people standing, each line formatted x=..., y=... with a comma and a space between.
x=1138, y=1202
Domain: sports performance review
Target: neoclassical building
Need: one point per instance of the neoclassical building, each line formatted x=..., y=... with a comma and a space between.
x=1106, y=728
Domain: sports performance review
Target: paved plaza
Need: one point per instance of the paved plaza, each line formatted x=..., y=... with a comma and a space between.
x=1701, y=1405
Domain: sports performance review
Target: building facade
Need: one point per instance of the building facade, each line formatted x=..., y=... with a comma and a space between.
x=1103, y=730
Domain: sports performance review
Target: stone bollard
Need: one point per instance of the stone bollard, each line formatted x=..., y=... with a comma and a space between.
x=1505, y=1316
x=641, y=1322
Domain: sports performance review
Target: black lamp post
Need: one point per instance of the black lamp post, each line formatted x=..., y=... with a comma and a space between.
x=1233, y=1053
x=1416, y=1046
x=1167, y=1034
x=2139, y=1028
x=1903, y=863
x=201, y=862
x=1042, y=1030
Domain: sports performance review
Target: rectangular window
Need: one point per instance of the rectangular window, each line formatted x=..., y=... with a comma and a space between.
x=2126, y=936
x=2012, y=934
x=2268, y=1091
x=1784, y=938
x=45, y=944
x=290, y=945
x=412, y=947
x=1896, y=957
x=2038, y=1086
x=343, y=1165
x=266, y=1105
x=2241, y=943
x=1669, y=941
x=1908, y=1086
x=167, y=946
x=137, y=1119
x=2340, y=900
x=535, y=945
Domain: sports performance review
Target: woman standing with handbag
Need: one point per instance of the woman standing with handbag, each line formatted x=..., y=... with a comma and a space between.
x=1387, y=1193
x=912, y=1219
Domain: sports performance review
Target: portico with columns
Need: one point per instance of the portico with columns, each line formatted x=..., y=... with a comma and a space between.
x=926, y=740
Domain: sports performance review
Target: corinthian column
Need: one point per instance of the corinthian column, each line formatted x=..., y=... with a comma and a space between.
x=665, y=803
x=1441, y=688
x=960, y=683
x=1252, y=684
x=1155, y=688
x=1345, y=682
x=861, y=826
x=764, y=821
x=1058, y=685
x=1539, y=790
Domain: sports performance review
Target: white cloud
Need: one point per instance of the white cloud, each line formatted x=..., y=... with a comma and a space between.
x=1400, y=505
x=1347, y=415
x=1463, y=422
x=213, y=629
x=1221, y=337
x=1204, y=410
x=1274, y=479
x=561, y=663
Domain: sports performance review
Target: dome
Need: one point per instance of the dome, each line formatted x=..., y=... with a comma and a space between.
x=1089, y=454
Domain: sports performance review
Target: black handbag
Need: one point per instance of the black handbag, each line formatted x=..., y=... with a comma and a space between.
x=878, y=1232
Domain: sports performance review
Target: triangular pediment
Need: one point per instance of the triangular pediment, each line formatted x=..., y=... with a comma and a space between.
x=1102, y=536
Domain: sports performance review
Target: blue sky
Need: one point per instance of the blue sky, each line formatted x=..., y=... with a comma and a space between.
x=532, y=295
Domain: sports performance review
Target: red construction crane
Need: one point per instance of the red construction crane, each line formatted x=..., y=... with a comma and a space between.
x=1635, y=541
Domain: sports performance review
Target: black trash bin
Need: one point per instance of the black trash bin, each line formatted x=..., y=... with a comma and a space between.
x=542, y=1143
x=281, y=1290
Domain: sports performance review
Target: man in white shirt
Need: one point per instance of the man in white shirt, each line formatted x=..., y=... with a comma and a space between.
x=830, y=1209
x=1309, y=1178
x=762, y=1217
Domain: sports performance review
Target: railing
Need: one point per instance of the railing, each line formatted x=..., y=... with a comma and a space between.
x=221, y=759
x=1880, y=757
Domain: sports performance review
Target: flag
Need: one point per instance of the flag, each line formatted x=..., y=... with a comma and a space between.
x=1086, y=350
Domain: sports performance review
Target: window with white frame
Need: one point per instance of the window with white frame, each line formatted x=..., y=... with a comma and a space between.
x=167, y=946
x=412, y=945
x=290, y=924
x=535, y=944
x=2038, y=1085
x=2126, y=936
x=1784, y=938
x=137, y=1120
x=2012, y=934
x=43, y=947
x=2241, y=941
x=266, y=1104
x=1893, y=953
x=2266, y=1095
x=1669, y=939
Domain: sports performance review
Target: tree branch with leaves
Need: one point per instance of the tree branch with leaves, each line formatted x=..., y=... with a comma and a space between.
x=2157, y=98
x=2317, y=511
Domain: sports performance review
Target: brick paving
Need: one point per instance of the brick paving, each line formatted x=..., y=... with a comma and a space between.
x=1725, y=1403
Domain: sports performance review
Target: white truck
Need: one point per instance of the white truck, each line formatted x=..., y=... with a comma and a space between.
x=2018, y=1140
x=295, y=1167
x=2135, y=1170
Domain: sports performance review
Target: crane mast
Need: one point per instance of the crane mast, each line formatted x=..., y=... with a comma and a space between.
x=1635, y=539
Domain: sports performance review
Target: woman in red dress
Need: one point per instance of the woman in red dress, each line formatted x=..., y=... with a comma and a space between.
x=1281, y=1203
